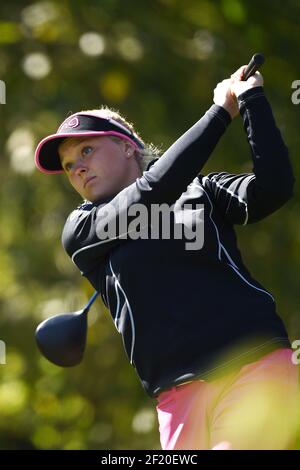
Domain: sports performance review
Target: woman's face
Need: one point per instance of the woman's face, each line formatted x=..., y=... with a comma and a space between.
x=98, y=167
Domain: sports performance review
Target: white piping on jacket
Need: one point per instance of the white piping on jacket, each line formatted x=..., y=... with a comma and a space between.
x=117, y=282
x=234, y=195
x=233, y=266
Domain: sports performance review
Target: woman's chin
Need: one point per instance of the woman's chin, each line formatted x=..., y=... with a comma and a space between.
x=94, y=195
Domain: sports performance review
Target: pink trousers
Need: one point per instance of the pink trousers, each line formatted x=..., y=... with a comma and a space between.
x=254, y=408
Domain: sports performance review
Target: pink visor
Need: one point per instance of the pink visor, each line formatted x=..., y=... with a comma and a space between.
x=78, y=125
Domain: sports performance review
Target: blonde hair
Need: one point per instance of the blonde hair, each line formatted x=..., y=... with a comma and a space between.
x=143, y=155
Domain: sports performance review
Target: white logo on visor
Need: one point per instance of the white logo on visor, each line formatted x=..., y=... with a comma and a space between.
x=73, y=122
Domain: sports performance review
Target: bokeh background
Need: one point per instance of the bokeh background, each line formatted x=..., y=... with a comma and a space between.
x=157, y=62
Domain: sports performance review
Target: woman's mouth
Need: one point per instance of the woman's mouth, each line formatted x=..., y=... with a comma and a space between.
x=88, y=180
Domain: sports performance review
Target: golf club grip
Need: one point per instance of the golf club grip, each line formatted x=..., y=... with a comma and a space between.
x=254, y=64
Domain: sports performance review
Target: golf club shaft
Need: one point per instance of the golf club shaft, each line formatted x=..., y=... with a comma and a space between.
x=91, y=301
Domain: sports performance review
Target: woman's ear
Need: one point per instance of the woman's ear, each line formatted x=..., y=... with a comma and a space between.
x=129, y=150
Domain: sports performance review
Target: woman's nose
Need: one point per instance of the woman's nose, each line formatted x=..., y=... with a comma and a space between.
x=80, y=167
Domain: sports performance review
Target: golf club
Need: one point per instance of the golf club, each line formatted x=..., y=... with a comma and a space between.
x=256, y=61
x=62, y=338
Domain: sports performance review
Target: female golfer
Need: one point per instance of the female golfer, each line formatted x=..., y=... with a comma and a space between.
x=157, y=241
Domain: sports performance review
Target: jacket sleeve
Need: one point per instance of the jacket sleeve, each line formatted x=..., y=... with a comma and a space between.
x=83, y=235
x=249, y=197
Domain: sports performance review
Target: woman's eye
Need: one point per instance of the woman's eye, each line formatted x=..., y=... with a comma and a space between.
x=68, y=166
x=86, y=150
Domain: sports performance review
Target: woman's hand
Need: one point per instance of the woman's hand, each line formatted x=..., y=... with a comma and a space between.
x=227, y=91
x=239, y=86
x=224, y=97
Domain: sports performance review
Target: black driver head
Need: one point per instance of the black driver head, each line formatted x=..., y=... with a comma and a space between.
x=62, y=338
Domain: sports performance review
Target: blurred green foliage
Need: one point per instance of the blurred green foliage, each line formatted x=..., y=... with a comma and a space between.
x=158, y=63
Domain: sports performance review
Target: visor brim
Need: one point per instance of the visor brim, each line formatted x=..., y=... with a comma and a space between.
x=47, y=157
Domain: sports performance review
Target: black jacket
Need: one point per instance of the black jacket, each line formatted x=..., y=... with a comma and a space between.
x=185, y=313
